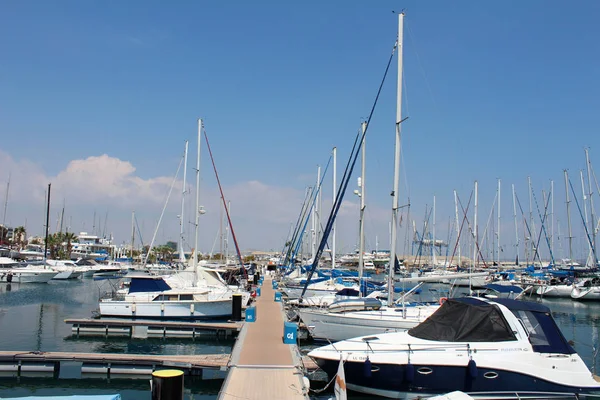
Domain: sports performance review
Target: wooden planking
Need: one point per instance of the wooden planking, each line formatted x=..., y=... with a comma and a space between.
x=234, y=326
x=263, y=383
x=262, y=366
x=200, y=361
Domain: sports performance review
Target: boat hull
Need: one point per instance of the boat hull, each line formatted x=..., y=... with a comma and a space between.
x=166, y=310
x=342, y=326
x=16, y=276
x=402, y=382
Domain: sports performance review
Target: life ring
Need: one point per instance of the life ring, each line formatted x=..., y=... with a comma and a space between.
x=443, y=300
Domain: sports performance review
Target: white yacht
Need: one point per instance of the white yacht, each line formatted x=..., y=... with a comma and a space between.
x=13, y=272
x=500, y=349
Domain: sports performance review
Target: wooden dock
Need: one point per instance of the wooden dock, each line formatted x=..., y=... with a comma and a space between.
x=261, y=365
x=109, y=364
x=142, y=329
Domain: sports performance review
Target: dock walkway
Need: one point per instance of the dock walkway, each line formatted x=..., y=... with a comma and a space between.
x=261, y=365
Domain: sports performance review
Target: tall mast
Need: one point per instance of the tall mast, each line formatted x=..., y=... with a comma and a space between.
x=6, y=201
x=132, y=233
x=195, y=253
x=552, y=220
x=47, y=223
x=585, y=218
x=531, y=227
x=334, y=196
x=516, y=224
x=433, y=259
x=590, y=193
x=569, y=216
x=457, y=229
x=361, y=233
x=475, y=244
x=498, y=223
x=181, y=220
x=396, y=162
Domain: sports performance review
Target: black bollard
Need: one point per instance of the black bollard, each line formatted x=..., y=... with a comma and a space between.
x=256, y=278
x=236, y=307
x=167, y=384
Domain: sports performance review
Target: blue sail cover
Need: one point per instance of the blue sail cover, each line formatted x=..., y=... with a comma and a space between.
x=148, y=284
x=74, y=397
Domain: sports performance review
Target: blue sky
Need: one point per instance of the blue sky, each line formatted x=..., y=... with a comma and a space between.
x=493, y=90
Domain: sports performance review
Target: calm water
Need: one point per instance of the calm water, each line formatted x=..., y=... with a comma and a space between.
x=32, y=319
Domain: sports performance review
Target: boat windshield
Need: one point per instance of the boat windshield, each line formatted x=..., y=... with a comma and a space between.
x=543, y=334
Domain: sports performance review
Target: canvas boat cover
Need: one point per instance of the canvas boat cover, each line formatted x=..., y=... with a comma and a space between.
x=460, y=321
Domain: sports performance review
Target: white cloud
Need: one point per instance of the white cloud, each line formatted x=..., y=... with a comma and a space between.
x=101, y=192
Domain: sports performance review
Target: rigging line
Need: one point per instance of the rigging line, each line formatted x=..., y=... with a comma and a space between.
x=162, y=213
x=296, y=228
x=344, y=183
x=484, y=240
x=477, y=247
x=413, y=42
x=235, y=242
x=587, y=233
x=301, y=228
x=461, y=228
x=527, y=226
x=543, y=225
x=315, y=196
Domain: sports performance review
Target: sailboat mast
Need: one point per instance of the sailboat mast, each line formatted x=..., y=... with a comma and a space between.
x=333, y=197
x=132, y=233
x=6, y=201
x=396, y=162
x=361, y=233
x=585, y=218
x=569, y=216
x=457, y=229
x=195, y=252
x=590, y=193
x=552, y=220
x=433, y=255
x=185, y=156
x=475, y=240
x=498, y=227
x=47, y=223
x=516, y=224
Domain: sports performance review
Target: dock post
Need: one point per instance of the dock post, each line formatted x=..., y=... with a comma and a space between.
x=236, y=307
x=167, y=384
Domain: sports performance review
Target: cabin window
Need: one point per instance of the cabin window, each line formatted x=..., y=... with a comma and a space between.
x=186, y=297
x=532, y=327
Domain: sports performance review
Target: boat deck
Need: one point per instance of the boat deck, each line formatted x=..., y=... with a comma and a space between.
x=261, y=365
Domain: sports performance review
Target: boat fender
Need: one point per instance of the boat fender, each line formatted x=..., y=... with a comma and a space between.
x=367, y=368
x=162, y=306
x=472, y=367
x=443, y=300
x=192, y=308
x=9, y=277
x=409, y=372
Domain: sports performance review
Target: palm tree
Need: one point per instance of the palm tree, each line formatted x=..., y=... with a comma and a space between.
x=19, y=236
x=69, y=237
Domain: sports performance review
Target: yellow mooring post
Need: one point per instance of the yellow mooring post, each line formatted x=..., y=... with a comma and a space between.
x=167, y=384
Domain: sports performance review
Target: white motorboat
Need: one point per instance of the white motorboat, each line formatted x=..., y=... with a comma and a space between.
x=485, y=348
x=13, y=272
x=65, y=269
x=151, y=297
x=589, y=289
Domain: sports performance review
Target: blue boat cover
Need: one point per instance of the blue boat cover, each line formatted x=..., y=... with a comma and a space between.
x=74, y=397
x=504, y=288
x=148, y=284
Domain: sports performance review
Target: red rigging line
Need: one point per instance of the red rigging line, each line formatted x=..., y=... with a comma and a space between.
x=237, y=248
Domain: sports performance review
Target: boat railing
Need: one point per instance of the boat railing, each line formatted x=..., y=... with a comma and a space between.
x=532, y=395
